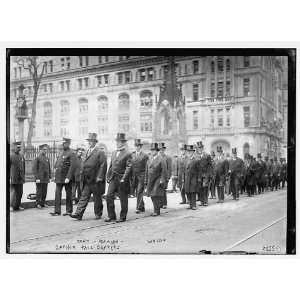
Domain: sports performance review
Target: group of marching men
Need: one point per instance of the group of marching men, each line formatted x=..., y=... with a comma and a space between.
x=196, y=173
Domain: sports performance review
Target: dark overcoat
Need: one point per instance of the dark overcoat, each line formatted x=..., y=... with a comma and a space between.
x=17, y=168
x=191, y=172
x=64, y=166
x=78, y=169
x=205, y=169
x=156, y=176
x=181, y=167
x=221, y=170
x=139, y=162
x=41, y=168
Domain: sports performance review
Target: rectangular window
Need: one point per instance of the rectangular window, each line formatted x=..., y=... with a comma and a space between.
x=45, y=88
x=220, y=117
x=80, y=61
x=68, y=63
x=142, y=75
x=146, y=123
x=106, y=59
x=246, y=116
x=246, y=86
x=120, y=78
x=228, y=116
x=246, y=61
x=212, y=118
x=99, y=80
x=127, y=76
x=195, y=119
x=150, y=74
x=45, y=67
x=86, y=60
x=100, y=59
x=228, y=92
x=86, y=81
x=106, y=79
x=16, y=72
x=195, y=66
x=83, y=127
x=20, y=71
x=212, y=90
x=62, y=62
x=220, y=62
x=220, y=89
x=62, y=86
x=51, y=87
x=68, y=85
x=51, y=65
x=80, y=83
x=195, y=92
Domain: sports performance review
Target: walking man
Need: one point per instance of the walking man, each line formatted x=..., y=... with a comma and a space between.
x=64, y=172
x=17, y=177
x=42, y=173
x=139, y=162
x=156, y=178
x=118, y=179
x=77, y=183
x=261, y=169
x=221, y=167
x=94, y=175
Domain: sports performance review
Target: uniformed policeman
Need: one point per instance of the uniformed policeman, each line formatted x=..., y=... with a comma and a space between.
x=42, y=174
x=139, y=162
x=235, y=170
x=181, y=166
x=156, y=177
x=205, y=169
x=17, y=176
x=118, y=179
x=221, y=170
x=191, y=176
x=64, y=172
x=162, y=153
x=212, y=182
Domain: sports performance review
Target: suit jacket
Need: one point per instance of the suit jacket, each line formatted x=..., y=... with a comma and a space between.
x=221, y=170
x=17, y=168
x=78, y=169
x=41, y=168
x=139, y=162
x=261, y=169
x=169, y=164
x=205, y=168
x=94, y=166
x=64, y=166
x=236, y=167
x=191, y=172
x=181, y=167
x=156, y=176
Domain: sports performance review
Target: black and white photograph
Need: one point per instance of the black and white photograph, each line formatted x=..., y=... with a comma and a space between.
x=191, y=151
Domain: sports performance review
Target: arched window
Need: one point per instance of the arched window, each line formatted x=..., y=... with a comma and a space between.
x=83, y=106
x=64, y=108
x=102, y=104
x=246, y=149
x=212, y=67
x=220, y=61
x=47, y=110
x=124, y=101
x=146, y=100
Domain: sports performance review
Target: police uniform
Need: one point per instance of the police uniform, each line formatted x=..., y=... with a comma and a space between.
x=235, y=170
x=17, y=177
x=64, y=169
x=139, y=162
x=156, y=177
x=42, y=172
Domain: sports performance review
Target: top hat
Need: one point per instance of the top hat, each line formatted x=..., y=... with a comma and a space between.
x=213, y=153
x=190, y=148
x=219, y=149
x=92, y=137
x=183, y=147
x=137, y=142
x=121, y=137
x=154, y=146
x=258, y=155
x=17, y=143
x=200, y=145
x=234, y=151
x=66, y=140
x=42, y=146
x=162, y=146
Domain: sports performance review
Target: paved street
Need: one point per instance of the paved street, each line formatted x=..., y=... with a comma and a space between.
x=255, y=224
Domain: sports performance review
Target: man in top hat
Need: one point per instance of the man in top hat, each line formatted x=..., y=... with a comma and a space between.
x=118, y=179
x=250, y=178
x=139, y=162
x=77, y=182
x=162, y=153
x=205, y=172
x=261, y=169
x=236, y=166
x=42, y=173
x=156, y=177
x=93, y=176
x=212, y=182
x=17, y=176
x=64, y=172
x=221, y=170
x=191, y=173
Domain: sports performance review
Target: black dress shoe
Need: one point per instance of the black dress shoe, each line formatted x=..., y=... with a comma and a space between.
x=109, y=220
x=121, y=220
x=154, y=215
x=97, y=217
x=79, y=218
x=67, y=214
x=182, y=202
x=54, y=214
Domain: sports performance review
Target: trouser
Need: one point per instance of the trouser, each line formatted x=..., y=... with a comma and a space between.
x=220, y=191
x=182, y=194
x=212, y=188
x=203, y=195
x=283, y=182
x=138, y=186
x=235, y=187
x=164, y=201
x=192, y=199
x=156, y=204
x=88, y=190
x=41, y=193
x=76, y=187
x=274, y=182
x=260, y=187
x=58, y=191
x=116, y=187
x=174, y=183
x=16, y=193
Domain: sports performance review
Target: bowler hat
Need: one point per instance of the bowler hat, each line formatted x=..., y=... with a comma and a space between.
x=258, y=155
x=92, y=137
x=200, y=145
x=234, y=151
x=154, y=146
x=162, y=146
x=219, y=149
x=137, y=142
x=42, y=146
x=121, y=137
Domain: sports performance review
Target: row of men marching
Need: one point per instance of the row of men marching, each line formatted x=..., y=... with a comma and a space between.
x=195, y=172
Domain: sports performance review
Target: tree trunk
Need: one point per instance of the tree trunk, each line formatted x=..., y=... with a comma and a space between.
x=33, y=117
